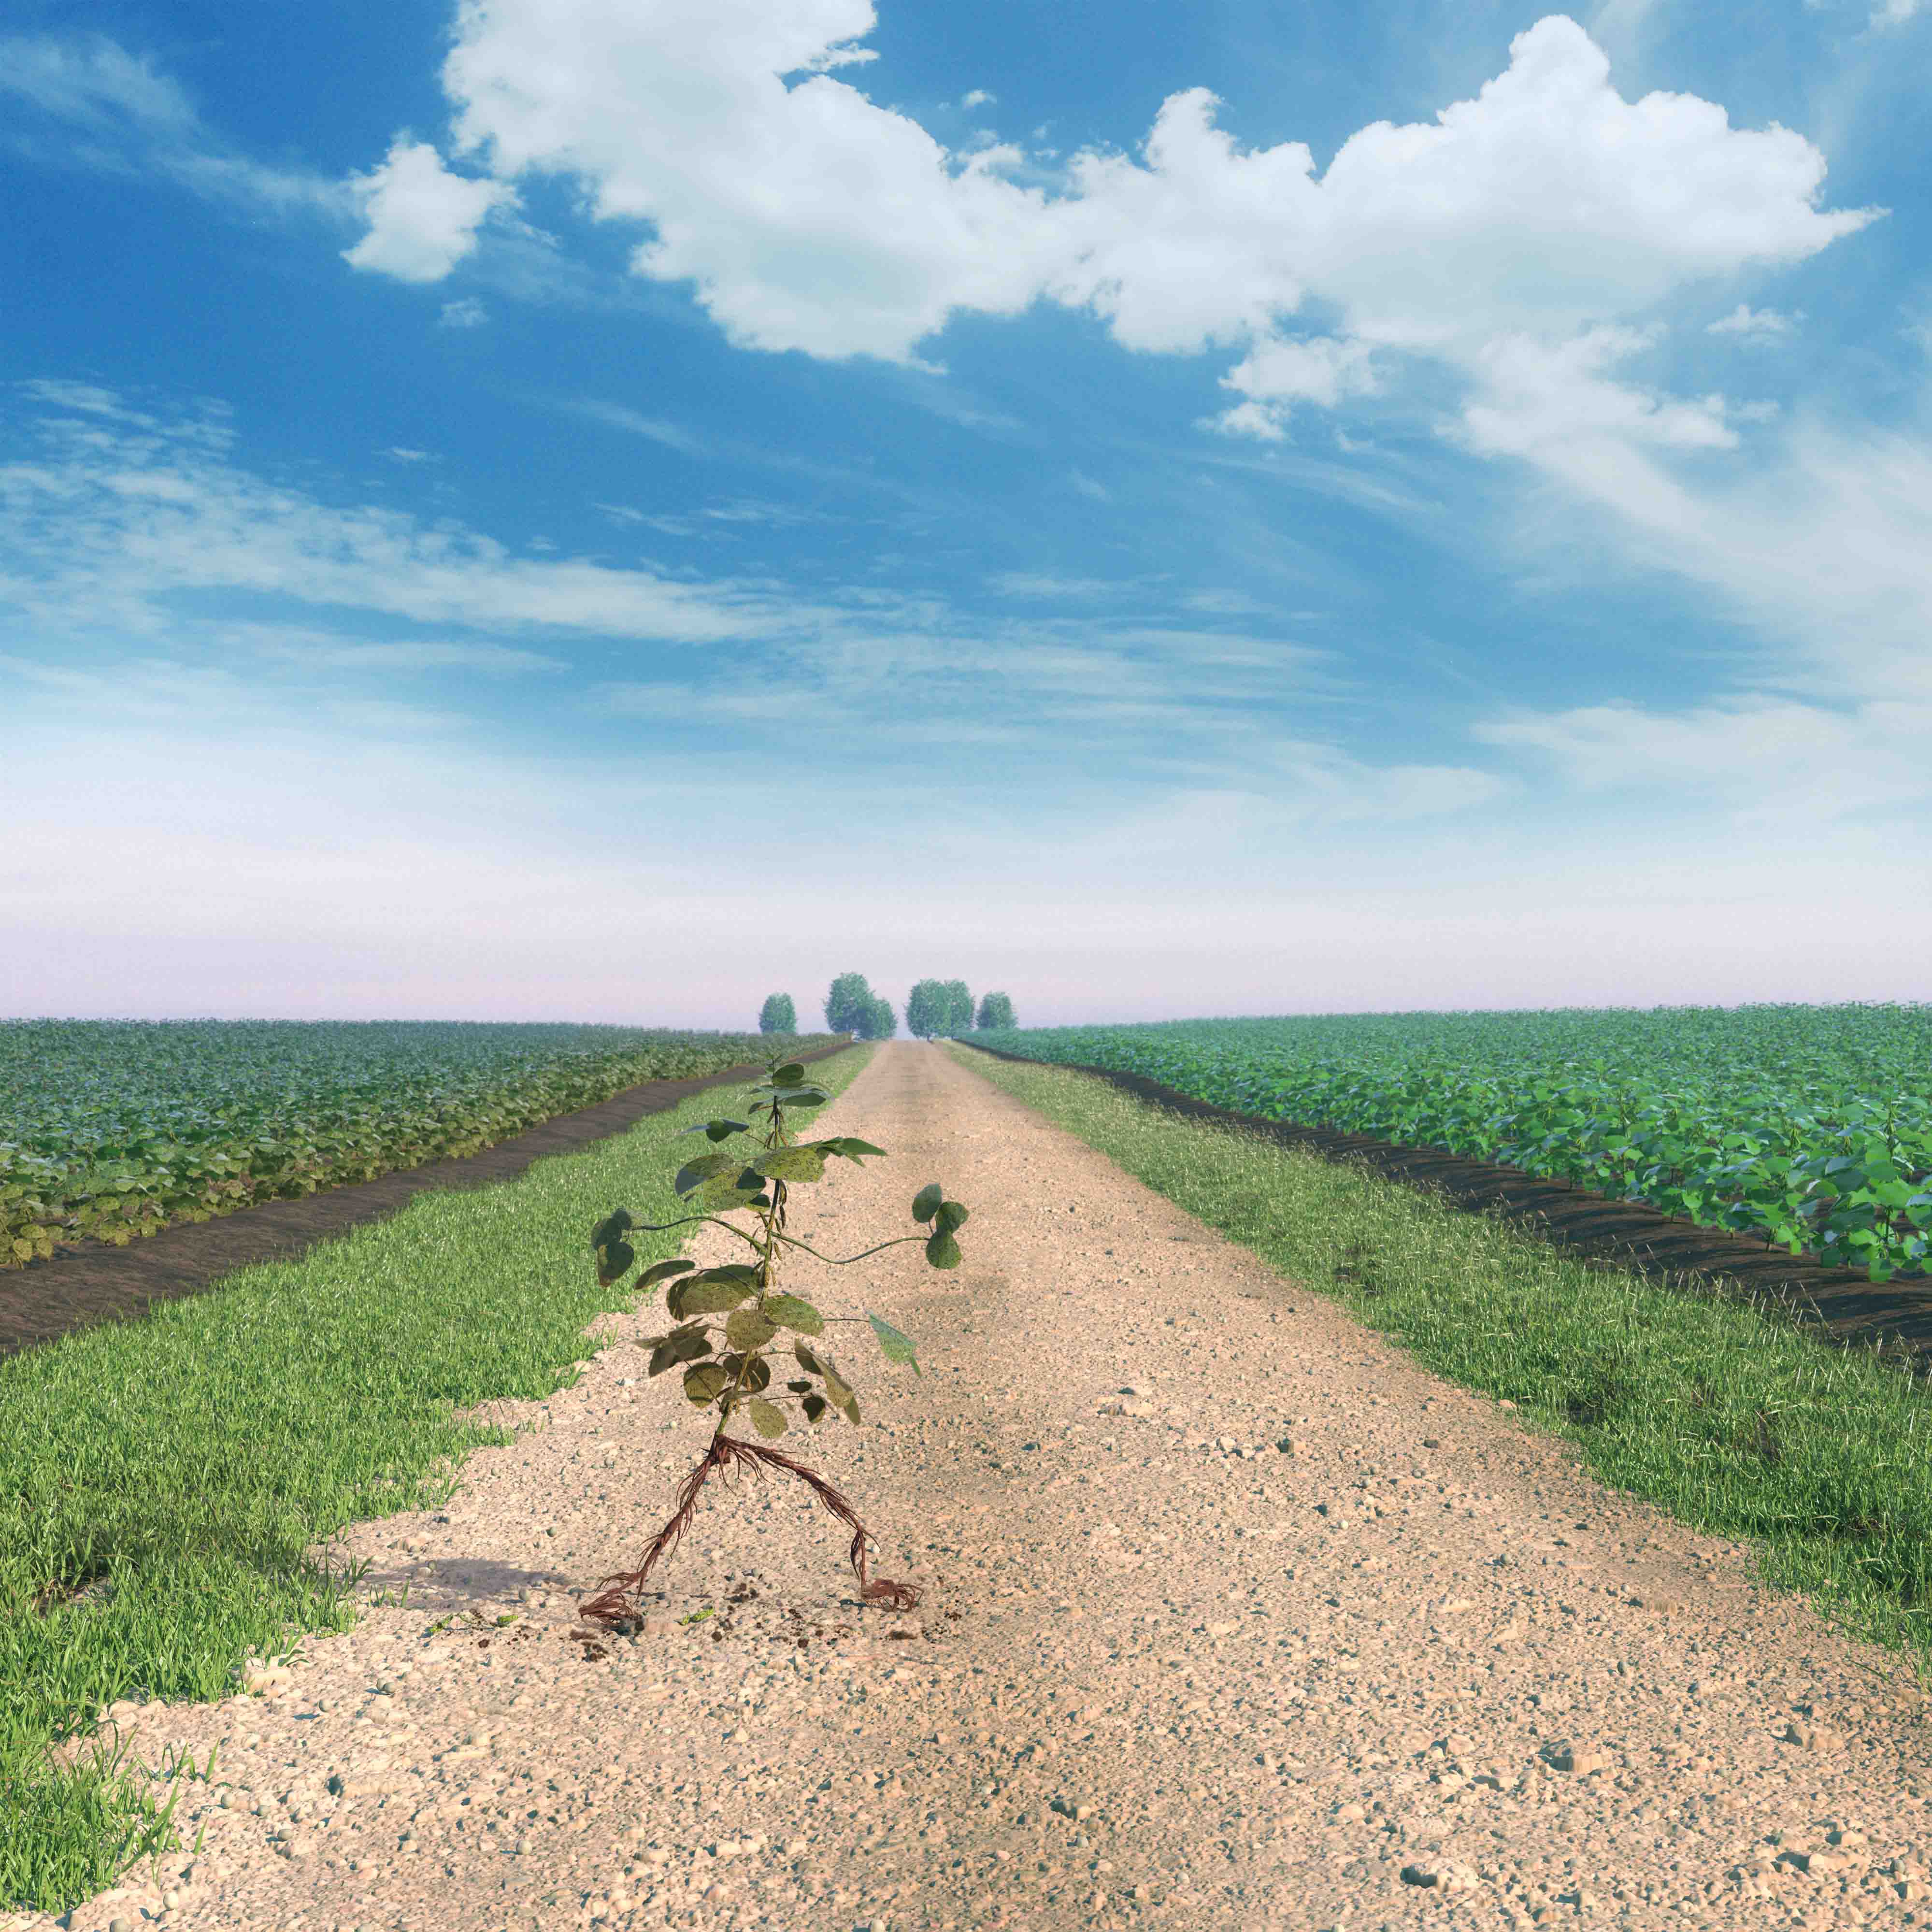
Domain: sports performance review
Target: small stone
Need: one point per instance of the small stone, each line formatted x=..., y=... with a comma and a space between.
x=1819, y=1862
x=1505, y=1404
x=1811, y=1737
x=1568, y=1757
x=119, y=1925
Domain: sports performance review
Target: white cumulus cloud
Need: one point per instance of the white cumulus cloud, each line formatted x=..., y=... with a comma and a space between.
x=1502, y=238
x=806, y=216
x=422, y=219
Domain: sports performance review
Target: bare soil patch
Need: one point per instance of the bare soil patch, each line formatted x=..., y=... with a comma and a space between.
x=1234, y=1618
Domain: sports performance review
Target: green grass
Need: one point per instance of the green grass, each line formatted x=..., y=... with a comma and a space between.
x=1728, y=1417
x=189, y=1460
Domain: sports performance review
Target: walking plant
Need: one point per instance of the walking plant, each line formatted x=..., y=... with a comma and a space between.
x=728, y=1320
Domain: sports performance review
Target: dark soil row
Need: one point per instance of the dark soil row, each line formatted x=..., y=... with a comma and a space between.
x=94, y=1281
x=1836, y=1304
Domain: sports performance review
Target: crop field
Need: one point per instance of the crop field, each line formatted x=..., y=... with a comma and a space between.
x=1809, y=1127
x=111, y=1129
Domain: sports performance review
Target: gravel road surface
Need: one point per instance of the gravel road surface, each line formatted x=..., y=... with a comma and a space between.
x=1233, y=1618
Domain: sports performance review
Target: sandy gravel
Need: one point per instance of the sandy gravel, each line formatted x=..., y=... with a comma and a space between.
x=1234, y=1618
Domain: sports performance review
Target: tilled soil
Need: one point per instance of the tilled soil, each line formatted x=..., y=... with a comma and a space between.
x=1413, y=1668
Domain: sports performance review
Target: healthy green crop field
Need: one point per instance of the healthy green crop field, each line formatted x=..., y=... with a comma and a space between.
x=109, y=1129
x=1809, y=1127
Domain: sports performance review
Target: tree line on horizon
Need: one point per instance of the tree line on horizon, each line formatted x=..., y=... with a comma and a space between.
x=935, y=1009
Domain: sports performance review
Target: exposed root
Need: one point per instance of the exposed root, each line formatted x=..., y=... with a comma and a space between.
x=614, y=1603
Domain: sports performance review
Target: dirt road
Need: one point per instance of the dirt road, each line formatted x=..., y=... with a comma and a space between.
x=1413, y=1669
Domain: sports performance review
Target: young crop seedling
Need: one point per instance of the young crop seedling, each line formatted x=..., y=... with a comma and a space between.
x=727, y=1319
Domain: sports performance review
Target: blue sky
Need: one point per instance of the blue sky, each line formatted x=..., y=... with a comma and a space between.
x=599, y=509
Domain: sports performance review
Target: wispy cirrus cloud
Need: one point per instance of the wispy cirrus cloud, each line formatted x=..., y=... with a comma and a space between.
x=119, y=114
x=138, y=523
x=120, y=508
x=1750, y=325
x=1041, y=584
x=633, y=422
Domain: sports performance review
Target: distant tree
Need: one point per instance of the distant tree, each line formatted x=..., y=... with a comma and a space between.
x=959, y=1010
x=848, y=1005
x=940, y=1009
x=927, y=1009
x=778, y=1014
x=996, y=1010
x=885, y=1021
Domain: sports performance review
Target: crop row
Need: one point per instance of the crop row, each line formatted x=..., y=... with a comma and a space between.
x=1809, y=1127
x=110, y=1129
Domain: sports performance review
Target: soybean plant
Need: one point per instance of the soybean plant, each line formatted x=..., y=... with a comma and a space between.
x=728, y=1319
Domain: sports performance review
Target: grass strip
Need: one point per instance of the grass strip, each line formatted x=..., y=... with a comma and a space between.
x=1724, y=1414
x=173, y=1472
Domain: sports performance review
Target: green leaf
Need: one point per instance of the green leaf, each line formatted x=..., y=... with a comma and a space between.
x=943, y=1251
x=689, y=1344
x=815, y=1406
x=788, y=1311
x=789, y=1096
x=791, y=1074
x=839, y=1390
x=617, y=1221
x=659, y=1271
x=806, y=1359
x=695, y=1173
x=767, y=1418
x=951, y=1217
x=800, y=1388
x=614, y=1260
x=925, y=1202
x=715, y=1130
x=742, y=1189
x=747, y=1328
x=700, y=1296
x=848, y=1147
x=707, y=1382
x=733, y=1274
x=896, y=1347
x=758, y=1374
x=791, y=1163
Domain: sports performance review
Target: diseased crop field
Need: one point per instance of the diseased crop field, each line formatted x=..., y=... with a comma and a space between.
x=110, y=1129
x=1808, y=1126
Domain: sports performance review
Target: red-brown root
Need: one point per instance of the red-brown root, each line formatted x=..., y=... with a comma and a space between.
x=616, y=1602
